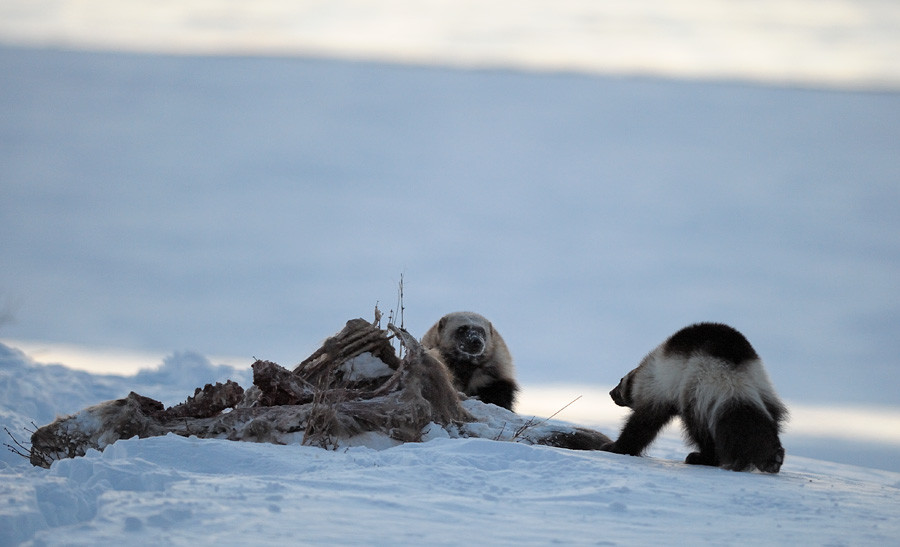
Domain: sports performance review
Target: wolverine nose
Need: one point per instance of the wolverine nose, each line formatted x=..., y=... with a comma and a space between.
x=616, y=396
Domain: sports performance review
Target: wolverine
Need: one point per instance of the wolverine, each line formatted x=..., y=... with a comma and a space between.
x=476, y=356
x=709, y=375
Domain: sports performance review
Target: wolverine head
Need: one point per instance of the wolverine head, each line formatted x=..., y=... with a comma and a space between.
x=465, y=335
x=621, y=394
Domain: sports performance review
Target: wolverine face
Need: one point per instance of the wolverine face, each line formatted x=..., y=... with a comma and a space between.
x=621, y=394
x=468, y=338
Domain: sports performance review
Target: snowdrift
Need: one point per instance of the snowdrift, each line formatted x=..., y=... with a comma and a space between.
x=184, y=490
x=178, y=491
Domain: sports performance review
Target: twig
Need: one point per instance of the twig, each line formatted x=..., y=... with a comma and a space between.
x=400, y=304
x=398, y=311
x=499, y=434
x=563, y=408
x=317, y=421
x=16, y=449
x=526, y=426
x=531, y=423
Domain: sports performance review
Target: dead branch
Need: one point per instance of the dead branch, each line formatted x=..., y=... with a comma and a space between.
x=279, y=386
x=358, y=336
x=206, y=402
x=17, y=447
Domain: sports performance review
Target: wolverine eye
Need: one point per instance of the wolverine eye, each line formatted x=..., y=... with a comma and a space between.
x=470, y=331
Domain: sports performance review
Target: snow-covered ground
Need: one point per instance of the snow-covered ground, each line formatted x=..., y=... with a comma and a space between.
x=226, y=207
x=179, y=491
x=176, y=491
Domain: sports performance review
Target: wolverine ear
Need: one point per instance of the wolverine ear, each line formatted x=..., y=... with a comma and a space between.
x=441, y=323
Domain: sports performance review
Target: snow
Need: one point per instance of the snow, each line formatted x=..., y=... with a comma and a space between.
x=181, y=491
x=166, y=218
x=175, y=490
x=364, y=366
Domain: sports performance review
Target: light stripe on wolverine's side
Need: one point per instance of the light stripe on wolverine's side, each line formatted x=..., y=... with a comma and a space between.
x=710, y=376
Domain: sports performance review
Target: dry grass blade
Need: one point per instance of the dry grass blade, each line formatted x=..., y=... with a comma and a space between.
x=532, y=423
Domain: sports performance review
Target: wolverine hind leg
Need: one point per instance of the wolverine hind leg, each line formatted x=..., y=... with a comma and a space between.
x=747, y=437
x=697, y=432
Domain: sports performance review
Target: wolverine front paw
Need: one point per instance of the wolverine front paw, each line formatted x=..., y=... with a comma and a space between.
x=773, y=465
x=697, y=458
